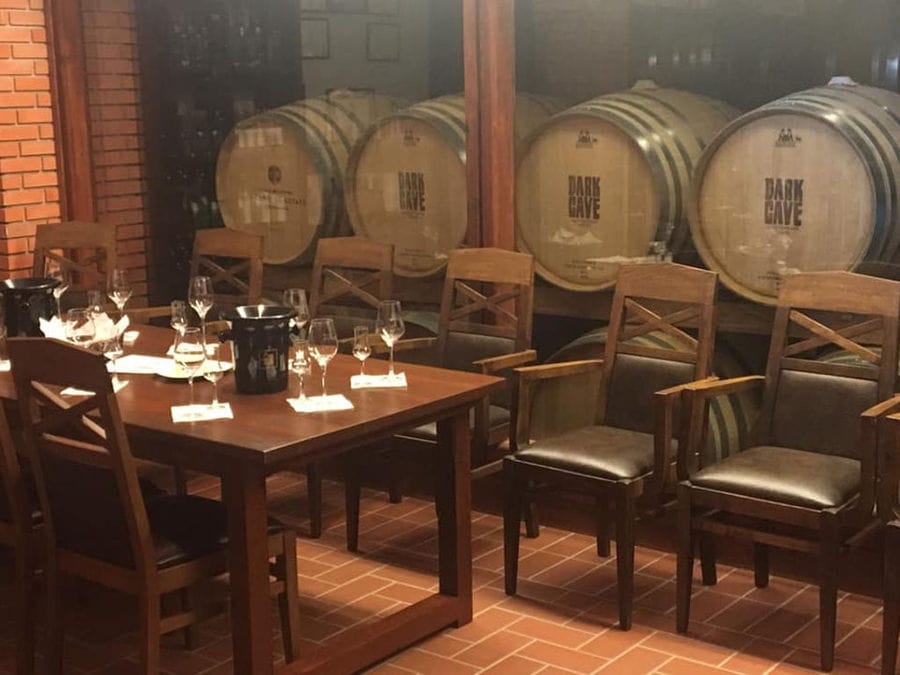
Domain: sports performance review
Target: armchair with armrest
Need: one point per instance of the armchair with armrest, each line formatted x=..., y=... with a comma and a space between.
x=807, y=482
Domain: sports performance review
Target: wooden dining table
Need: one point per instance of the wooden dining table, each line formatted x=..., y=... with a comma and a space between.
x=266, y=436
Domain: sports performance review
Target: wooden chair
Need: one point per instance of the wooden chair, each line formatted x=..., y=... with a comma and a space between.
x=484, y=326
x=889, y=514
x=98, y=524
x=807, y=481
x=87, y=251
x=19, y=529
x=627, y=452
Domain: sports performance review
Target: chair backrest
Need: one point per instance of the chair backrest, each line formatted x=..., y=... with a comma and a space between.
x=234, y=262
x=815, y=405
x=87, y=251
x=350, y=274
x=86, y=476
x=655, y=298
x=486, y=306
x=15, y=509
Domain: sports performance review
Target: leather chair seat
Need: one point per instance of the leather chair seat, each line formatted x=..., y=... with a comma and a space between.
x=785, y=475
x=606, y=452
x=428, y=432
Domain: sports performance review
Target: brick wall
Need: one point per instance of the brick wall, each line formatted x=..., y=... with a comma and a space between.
x=29, y=193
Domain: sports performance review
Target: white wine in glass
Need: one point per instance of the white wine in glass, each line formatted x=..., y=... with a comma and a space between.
x=390, y=328
x=361, y=347
x=80, y=326
x=189, y=354
x=213, y=370
x=323, y=345
x=300, y=365
x=55, y=271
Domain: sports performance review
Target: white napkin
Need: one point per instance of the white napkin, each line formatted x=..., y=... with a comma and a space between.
x=104, y=328
x=129, y=337
x=396, y=381
x=52, y=328
x=320, y=403
x=5, y=365
x=140, y=364
x=72, y=391
x=201, y=413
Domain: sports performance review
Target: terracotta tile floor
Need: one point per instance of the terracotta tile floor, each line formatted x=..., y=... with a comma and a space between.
x=562, y=621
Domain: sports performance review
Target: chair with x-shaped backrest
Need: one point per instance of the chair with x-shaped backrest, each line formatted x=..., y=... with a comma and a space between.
x=98, y=523
x=86, y=252
x=807, y=483
x=627, y=452
x=234, y=262
x=484, y=326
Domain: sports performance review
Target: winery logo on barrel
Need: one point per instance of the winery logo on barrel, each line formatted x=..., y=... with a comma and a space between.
x=784, y=201
x=410, y=138
x=411, y=191
x=274, y=175
x=787, y=139
x=584, y=197
x=585, y=140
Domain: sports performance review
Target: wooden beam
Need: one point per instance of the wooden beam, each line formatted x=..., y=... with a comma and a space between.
x=471, y=61
x=71, y=117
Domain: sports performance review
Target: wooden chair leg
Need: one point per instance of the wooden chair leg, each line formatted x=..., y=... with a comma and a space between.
x=314, y=499
x=352, y=495
x=512, y=513
x=191, y=633
x=891, y=629
x=24, y=604
x=828, y=588
x=149, y=607
x=288, y=601
x=708, y=559
x=530, y=514
x=395, y=487
x=603, y=549
x=685, y=567
x=55, y=618
x=625, y=517
x=761, y=565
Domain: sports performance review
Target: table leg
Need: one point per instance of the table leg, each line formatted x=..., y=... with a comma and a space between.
x=244, y=492
x=453, y=494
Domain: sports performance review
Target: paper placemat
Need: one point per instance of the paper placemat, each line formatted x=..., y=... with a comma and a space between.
x=5, y=365
x=395, y=381
x=201, y=413
x=320, y=403
x=72, y=391
x=139, y=364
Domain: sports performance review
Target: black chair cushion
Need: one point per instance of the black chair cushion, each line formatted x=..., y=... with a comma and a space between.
x=605, y=452
x=784, y=475
x=632, y=384
x=428, y=432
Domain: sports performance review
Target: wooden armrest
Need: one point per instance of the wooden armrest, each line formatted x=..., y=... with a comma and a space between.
x=888, y=407
x=497, y=363
x=709, y=388
x=414, y=343
x=552, y=370
x=671, y=392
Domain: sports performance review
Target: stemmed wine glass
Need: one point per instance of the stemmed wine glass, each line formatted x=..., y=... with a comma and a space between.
x=119, y=290
x=213, y=371
x=389, y=326
x=79, y=326
x=112, y=349
x=301, y=365
x=295, y=298
x=361, y=347
x=201, y=297
x=323, y=344
x=63, y=277
x=95, y=303
x=190, y=353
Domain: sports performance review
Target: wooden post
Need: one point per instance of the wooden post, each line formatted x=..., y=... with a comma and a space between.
x=490, y=64
x=70, y=110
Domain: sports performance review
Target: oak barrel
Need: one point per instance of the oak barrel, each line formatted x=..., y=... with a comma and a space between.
x=406, y=179
x=598, y=184
x=280, y=173
x=569, y=402
x=808, y=182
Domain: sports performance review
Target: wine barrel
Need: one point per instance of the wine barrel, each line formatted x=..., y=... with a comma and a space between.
x=406, y=179
x=808, y=182
x=598, y=184
x=280, y=173
x=570, y=402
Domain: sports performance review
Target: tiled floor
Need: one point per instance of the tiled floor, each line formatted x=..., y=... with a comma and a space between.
x=562, y=621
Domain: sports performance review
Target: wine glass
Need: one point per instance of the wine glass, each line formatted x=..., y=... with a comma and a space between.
x=79, y=326
x=361, y=347
x=178, y=319
x=119, y=290
x=213, y=370
x=53, y=270
x=300, y=365
x=112, y=349
x=201, y=297
x=190, y=354
x=389, y=326
x=323, y=344
x=295, y=298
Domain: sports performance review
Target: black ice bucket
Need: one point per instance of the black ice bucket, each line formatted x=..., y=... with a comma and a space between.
x=261, y=336
x=25, y=302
